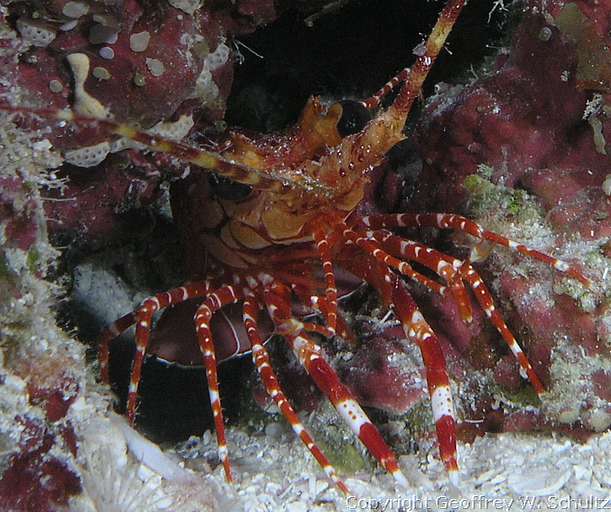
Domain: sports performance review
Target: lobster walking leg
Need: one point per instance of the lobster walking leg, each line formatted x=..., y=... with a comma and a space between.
x=268, y=377
x=142, y=317
x=342, y=327
x=214, y=301
x=392, y=289
x=311, y=357
x=460, y=223
x=437, y=261
x=417, y=329
x=322, y=245
x=371, y=247
x=453, y=274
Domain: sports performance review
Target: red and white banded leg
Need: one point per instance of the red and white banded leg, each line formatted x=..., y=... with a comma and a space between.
x=269, y=379
x=373, y=248
x=214, y=301
x=417, y=329
x=436, y=261
x=311, y=357
x=484, y=297
x=460, y=223
x=318, y=329
x=322, y=246
x=307, y=296
x=143, y=317
x=452, y=274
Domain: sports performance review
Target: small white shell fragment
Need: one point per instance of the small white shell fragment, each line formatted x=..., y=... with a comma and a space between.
x=42, y=145
x=188, y=6
x=75, y=9
x=175, y=130
x=296, y=506
x=539, y=482
x=149, y=453
x=599, y=138
x=106, y=52
x=607, y=185
x=155, y=66
x=89, y=156
x=205, y=88
x=139, y=42
x=35, y=33
x=106, y=20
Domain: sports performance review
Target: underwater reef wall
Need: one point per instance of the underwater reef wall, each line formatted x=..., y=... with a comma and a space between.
x=522, y=148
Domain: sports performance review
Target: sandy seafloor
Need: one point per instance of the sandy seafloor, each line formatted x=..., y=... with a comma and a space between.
x=275, y=473
x=500, y=472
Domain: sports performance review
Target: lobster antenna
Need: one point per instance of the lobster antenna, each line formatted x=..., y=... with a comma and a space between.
x=420, y=70
x=375, y=99
x=277, y=180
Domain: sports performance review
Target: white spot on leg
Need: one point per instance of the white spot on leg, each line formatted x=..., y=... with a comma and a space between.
x=352, y=414
x=417, y=317
x=441, y=401
x=441, y=265
x=214, y=396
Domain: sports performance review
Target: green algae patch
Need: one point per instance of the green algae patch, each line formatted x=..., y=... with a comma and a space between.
x=346, y=458
x=485, y=198
x=526, y=396
x=33, y=261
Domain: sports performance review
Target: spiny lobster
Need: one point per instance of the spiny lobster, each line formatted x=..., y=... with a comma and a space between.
x=297, y=216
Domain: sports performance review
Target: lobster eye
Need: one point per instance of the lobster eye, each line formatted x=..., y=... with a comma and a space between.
x=227, y=189
x=354, y=117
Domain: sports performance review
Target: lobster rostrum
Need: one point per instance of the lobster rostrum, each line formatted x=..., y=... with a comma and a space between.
x=295, y=216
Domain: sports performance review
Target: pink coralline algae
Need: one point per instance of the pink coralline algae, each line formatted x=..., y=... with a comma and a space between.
x=140, y=65
x=531, y=112
x=35, y=479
